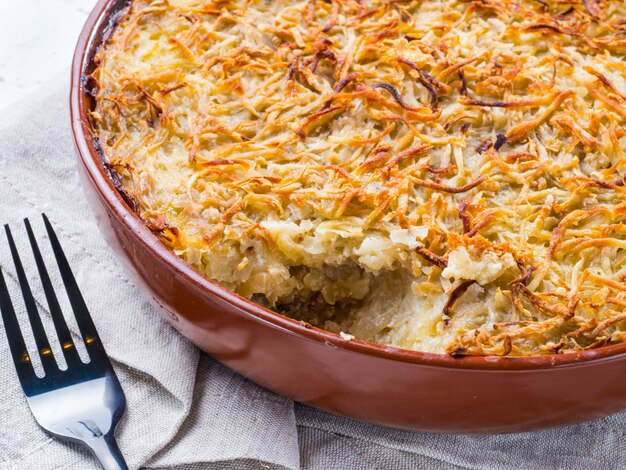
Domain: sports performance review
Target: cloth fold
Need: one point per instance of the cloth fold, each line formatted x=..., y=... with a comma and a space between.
x=186, y=411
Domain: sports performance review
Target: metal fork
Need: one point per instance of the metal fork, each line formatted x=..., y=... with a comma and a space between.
x=84, y=402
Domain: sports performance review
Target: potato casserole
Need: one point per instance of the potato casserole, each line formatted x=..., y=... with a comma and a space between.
x=439, y=175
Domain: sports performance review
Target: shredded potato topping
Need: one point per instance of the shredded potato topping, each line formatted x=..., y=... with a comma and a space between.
x=439, y=175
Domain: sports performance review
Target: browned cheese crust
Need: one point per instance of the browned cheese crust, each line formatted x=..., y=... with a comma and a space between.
x=439, y=175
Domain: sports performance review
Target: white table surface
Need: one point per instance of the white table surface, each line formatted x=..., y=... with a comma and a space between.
x=37, y=39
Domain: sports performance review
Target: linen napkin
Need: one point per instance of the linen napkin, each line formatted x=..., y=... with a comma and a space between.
x=186, y=411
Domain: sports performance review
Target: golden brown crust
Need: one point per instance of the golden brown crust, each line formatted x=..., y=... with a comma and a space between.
x=438, y=175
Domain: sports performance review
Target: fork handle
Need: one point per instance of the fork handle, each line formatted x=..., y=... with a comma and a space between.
x=108, y=453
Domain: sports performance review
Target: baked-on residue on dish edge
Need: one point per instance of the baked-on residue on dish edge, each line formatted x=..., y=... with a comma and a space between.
x=438, y=175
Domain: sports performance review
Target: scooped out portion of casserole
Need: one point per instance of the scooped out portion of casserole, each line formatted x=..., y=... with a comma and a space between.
x=438, y=175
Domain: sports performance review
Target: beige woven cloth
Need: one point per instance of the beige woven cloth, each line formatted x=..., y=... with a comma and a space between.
x=185, y=410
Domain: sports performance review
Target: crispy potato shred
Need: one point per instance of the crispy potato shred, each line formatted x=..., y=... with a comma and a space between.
x=439, y=175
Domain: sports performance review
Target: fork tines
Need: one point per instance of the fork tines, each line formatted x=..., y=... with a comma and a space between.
x=53, y=374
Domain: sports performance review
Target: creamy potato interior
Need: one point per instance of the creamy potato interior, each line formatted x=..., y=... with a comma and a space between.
x=439, y=175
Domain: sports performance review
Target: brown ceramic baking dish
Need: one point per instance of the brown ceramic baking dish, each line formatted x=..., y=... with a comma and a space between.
x=365, y=381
